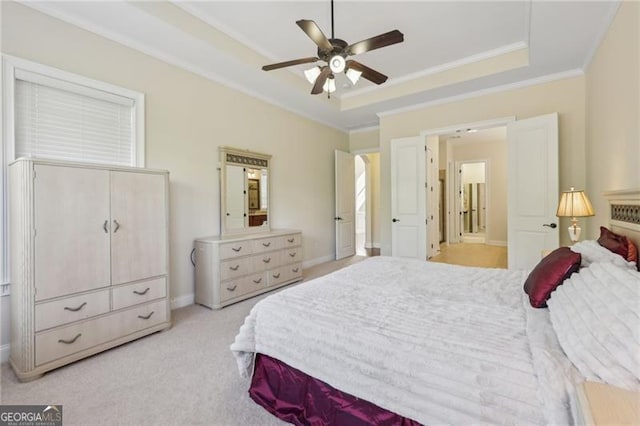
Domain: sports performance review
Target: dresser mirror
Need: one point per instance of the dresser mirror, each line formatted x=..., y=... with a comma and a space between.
x=244, y=191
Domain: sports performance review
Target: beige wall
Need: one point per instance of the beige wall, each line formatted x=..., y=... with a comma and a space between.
x=613, y=113
x=566, y=96
x=495, y=153
x=364, y=140
x=187, y=118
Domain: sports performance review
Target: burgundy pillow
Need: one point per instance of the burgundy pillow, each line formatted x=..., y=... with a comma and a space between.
x=615, y=243
x=552, y=270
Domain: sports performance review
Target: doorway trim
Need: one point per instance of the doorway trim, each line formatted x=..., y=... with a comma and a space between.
x=368, y=216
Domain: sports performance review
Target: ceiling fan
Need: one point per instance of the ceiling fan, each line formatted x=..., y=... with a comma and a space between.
x=335, y=52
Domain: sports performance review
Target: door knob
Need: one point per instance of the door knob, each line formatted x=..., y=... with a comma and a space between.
x=395, y=220
x=337, y=218
x=550, y=225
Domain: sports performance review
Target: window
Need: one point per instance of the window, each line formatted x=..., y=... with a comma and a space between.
x=49, y=113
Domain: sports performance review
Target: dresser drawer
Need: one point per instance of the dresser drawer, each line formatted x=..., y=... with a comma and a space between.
x=236, y=249
x=284, y=274
x=140, y=292
x=265, y=244
x=235, y=268
x=291, y=255
x=63, y=341
x=238, y=287
x=70, y=309
x=292, y=240
x=265, y=261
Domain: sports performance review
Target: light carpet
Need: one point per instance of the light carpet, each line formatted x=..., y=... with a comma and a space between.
x=185, y=375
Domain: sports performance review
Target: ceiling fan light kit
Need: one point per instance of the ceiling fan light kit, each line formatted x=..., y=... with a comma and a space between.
x=334, y=52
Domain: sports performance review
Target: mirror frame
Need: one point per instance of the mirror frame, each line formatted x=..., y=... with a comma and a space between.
x=246, y=159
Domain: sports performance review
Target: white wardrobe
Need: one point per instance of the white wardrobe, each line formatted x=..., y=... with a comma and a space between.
x=89, y=260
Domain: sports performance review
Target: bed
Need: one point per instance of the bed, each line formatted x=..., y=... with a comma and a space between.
x=402, y=342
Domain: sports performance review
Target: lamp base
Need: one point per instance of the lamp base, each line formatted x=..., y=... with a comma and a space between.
x=574, y=233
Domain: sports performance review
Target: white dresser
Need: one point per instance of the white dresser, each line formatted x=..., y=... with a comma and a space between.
x=89, y=260
x=233, y=268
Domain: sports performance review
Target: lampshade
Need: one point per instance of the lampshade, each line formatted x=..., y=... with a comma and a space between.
x=329, y=85
x=574, y=204
x=311, y=74
x=353, y=75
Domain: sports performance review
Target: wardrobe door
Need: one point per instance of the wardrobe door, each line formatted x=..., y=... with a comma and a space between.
x=71, y=214
x=138, y=226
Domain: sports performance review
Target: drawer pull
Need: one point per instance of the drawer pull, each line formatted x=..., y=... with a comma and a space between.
x=145, y=317
x=236, y=249
x=295, y=270
x=291, y=239
x=267, y=260
x=232, y=288
x=276, y=276
x=234, y=268
x=267, y=244
x=141, y=293
x=293, y=254
x=66, y=308
x=68, y=342
x=258, y=281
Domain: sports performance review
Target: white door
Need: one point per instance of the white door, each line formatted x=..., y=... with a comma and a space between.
x=138, y=226
x=408, y=227
x=71, y=229
x=532, y=151
x=345, y=204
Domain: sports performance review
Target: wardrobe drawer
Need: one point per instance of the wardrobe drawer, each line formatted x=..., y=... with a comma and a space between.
x=284, y=274
x=240, y=286
x=231, y=250
x=70, y=309
x=63, y=341
x=141, y=292
x=235, y=268
x=265, y=244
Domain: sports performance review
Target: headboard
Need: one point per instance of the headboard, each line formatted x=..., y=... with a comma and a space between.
x=624, y=213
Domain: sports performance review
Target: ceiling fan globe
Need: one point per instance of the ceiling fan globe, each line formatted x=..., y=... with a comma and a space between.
x=337, y=64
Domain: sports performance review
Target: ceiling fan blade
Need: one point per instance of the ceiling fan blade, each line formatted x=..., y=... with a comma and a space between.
x=289, y=63
x=324, y=74
x=382, y=40
x=368, y=73
x=315, y=33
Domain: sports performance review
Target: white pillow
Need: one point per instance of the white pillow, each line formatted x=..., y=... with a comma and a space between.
x=592, y=252
x=596, y=316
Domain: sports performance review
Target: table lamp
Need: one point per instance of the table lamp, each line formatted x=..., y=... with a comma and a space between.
x=574, y=204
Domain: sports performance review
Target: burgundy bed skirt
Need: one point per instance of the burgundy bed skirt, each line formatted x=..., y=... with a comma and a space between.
x=297, y=398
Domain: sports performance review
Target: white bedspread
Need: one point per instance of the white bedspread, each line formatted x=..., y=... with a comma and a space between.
x=436, y=343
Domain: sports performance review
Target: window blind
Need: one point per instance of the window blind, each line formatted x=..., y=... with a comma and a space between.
x=66, y=124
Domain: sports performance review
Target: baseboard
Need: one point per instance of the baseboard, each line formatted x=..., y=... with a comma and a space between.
x=4, y=353
x=318, y=260
x=182, y=301
x=497, y=243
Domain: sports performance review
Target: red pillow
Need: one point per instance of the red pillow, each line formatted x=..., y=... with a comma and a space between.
x=552, y=270
x=618, y=244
